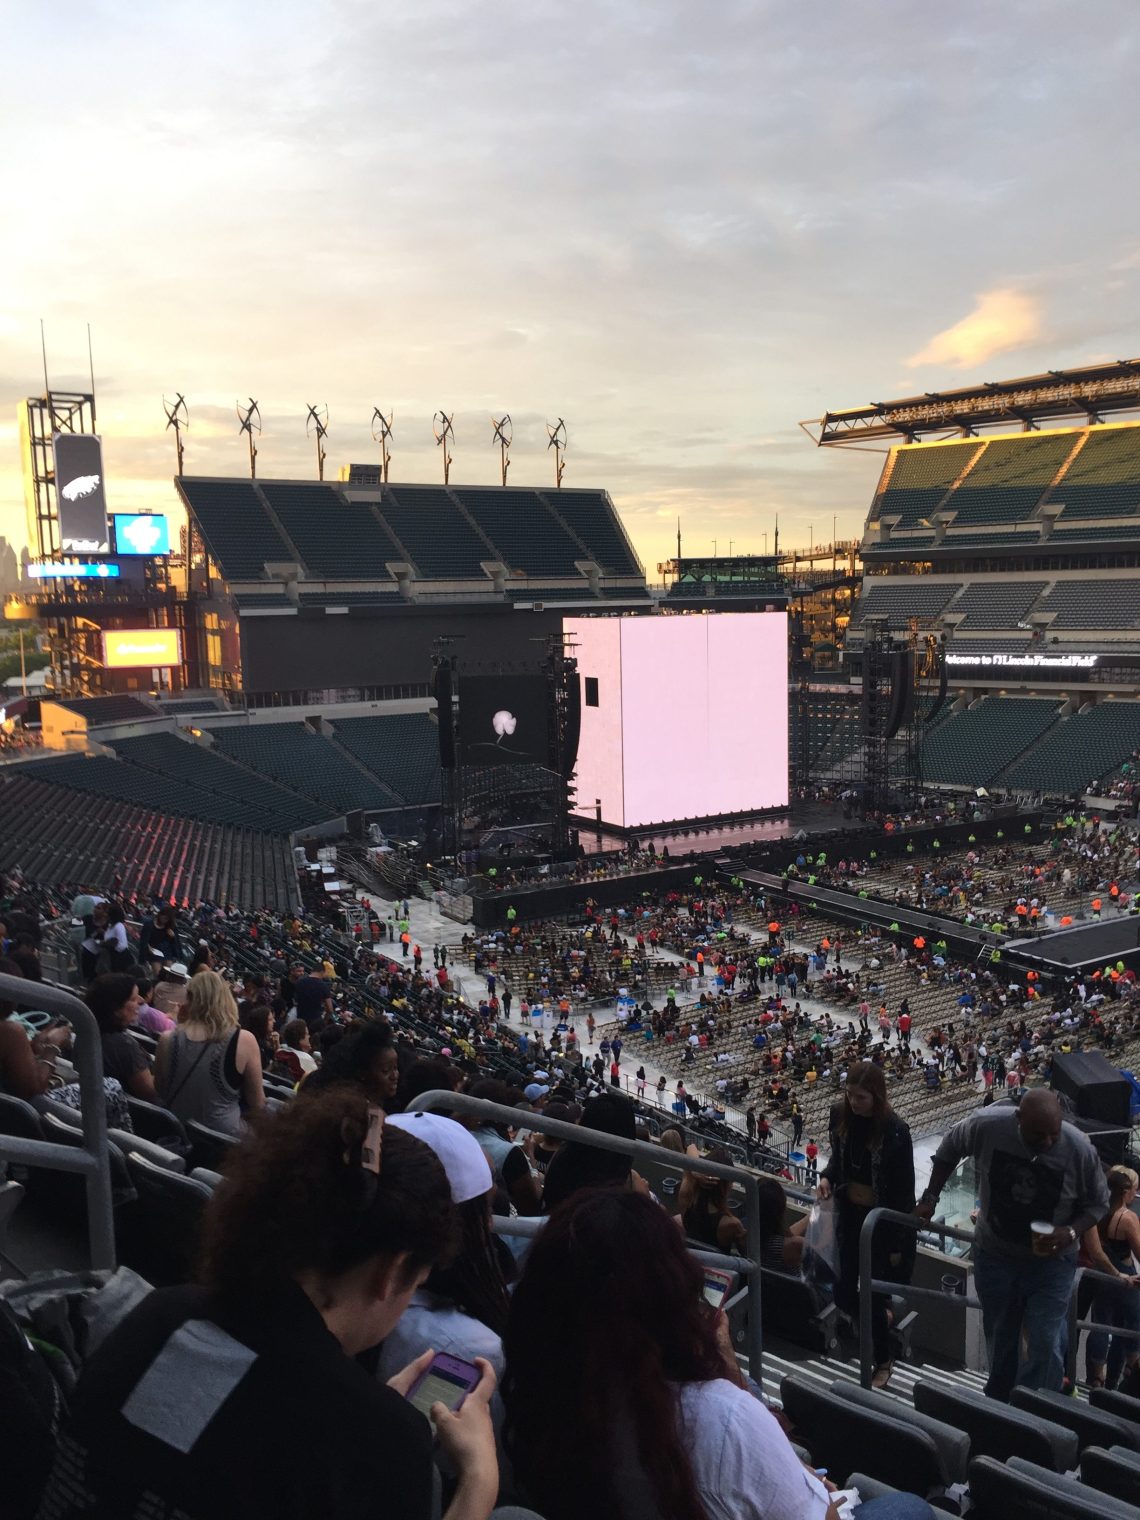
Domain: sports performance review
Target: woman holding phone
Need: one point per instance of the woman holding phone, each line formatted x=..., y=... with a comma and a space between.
x=608, y=1338
x=325, y=1225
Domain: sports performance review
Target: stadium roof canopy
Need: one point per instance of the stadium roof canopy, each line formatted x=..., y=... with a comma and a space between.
x=1090, y=394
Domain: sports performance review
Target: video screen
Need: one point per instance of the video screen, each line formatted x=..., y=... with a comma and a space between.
x=80, y=501
x=503, y=720
x=141, y=648
x=691, y=718
x=141, y=533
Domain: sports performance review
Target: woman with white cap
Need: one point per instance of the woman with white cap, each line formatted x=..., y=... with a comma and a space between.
x=461, y=1309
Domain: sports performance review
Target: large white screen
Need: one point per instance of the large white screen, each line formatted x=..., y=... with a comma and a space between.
x=703, y=726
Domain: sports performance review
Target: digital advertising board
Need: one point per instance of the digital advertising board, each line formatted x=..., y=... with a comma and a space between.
x=139, y=648
x=682, y=716
x=141, y=533
x=80, y=500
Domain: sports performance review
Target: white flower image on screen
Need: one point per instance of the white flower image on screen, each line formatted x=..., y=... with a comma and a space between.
x=142, y=535
x=504, y=723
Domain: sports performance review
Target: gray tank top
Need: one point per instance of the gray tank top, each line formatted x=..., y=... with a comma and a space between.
x=202, y=1083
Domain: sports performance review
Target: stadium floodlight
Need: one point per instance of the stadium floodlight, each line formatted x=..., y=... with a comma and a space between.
x=556, y=440
x=443, y=430
x=177, y=417
x=381, y=434
x=250, y=419
x=319, y=422
x=503, y=434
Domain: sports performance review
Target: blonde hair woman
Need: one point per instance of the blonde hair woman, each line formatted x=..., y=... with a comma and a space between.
x=209, y=1069
x=1116, y=1303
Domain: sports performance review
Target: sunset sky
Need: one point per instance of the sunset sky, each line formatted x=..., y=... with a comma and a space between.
x=683, y=227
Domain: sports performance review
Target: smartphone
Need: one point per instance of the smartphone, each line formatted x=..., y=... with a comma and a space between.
x=446, y=1380
x=718, y=1285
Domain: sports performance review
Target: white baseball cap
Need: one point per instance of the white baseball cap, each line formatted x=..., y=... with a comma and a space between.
x=468, y=1170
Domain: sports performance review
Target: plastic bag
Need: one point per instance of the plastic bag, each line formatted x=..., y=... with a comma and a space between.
x=821, y=1244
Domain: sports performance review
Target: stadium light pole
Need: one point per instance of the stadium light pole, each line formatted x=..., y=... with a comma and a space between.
x=319, y=422
x=250, y=420
x=177, y=417
x=443, y=430
x=381, y=434
x=556, y=440
x=502, y=435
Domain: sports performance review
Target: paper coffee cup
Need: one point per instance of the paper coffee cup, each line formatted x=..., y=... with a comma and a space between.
x=1040, y=1230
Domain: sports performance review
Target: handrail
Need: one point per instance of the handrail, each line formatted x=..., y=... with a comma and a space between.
x=92, y=1159
x=444, y=1101
x=869, y=1286
x=1076, y=1325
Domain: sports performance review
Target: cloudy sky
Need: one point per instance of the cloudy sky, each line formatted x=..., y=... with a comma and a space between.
x=681, y=226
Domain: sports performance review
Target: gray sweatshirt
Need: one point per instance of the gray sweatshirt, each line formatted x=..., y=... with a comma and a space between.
x=1064, y=1185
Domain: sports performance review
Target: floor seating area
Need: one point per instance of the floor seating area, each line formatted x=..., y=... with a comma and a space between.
x=58, y=834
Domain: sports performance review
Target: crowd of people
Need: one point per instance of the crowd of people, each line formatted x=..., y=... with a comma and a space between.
x=351, y=1237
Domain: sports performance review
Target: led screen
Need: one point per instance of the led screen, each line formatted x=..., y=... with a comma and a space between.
x=692, y=715
x=130, y=648
x=140, y=533
x=503, y=720
x=98, y=570
x=80, y=501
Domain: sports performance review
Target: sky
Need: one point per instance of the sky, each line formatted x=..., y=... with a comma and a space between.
x=682, y=227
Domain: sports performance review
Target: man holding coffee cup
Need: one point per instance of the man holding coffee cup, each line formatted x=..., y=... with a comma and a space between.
x=1041, y=1187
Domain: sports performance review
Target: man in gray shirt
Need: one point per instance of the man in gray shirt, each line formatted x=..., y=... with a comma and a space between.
x=1033, y=1169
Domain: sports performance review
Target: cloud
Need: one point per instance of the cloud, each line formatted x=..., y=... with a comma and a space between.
x=1001, y=320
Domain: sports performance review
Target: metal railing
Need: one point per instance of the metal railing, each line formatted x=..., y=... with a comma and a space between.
x=91, y=1160
x=444, y=1101
x=1076, y=1325
x=869, y=1285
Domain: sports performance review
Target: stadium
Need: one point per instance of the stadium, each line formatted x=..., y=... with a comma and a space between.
x=400, y=765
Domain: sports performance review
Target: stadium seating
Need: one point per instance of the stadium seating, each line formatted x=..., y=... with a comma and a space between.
x=919, y=479
x=1009, y=479
x=592, y=517
x=1104, y=603
x=336, y=539
x=56, y=833
x=970, y=748
x=527, y=535
x=434, y=533
x=1115, y=1471
x=900, y=601
x=268, y=805
x=996, y=604
x=401, y=749
x=1019, y=1490
x=1093, y=1427
x=307, y=762
x=116, y=708
x=996, y=1429
x=1104, y=478
x=236, y=527
x=1079, y=751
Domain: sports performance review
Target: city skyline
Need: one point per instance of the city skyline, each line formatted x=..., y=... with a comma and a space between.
x=682, y=232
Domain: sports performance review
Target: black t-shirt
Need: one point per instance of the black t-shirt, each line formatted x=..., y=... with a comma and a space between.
x=178, y=1416
x=122, y=1056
